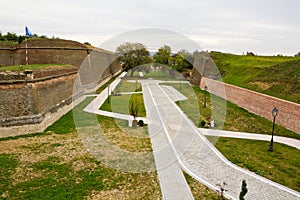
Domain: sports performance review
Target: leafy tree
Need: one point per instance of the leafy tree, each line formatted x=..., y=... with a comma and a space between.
x=163, y=56
x=11, y=37
x=188, y=58
x=243, y=191
x=297, y=55
x=133, y=55
x=20, y=39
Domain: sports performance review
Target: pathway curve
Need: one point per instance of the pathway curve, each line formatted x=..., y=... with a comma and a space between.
x=197, y=156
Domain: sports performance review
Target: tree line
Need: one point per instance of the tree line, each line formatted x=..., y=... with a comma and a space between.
x=136, y=54
x=13, y=37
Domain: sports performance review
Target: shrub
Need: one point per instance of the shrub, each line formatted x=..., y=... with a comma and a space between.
x=202, y=123
x=141, y=123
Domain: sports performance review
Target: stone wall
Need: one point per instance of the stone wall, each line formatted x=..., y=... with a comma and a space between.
x=46, y=51
x=31, y=97
x=31, y=105
x=260, y=104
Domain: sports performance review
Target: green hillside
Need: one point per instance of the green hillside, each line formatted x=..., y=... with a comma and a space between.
x=273, y=75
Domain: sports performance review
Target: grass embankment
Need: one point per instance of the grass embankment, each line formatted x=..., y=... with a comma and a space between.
x=281, y=166
x=31, y=67
x=273, y=75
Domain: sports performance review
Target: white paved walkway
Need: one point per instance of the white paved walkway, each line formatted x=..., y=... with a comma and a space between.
x=251, y=136
x=100, y=99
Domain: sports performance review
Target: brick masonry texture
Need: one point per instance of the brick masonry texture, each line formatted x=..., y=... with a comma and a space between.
x=260, y=104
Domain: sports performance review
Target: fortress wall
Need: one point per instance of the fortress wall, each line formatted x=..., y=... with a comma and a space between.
x=260, y=104
x=15, y=100
x=32, y=97
x=45, y=51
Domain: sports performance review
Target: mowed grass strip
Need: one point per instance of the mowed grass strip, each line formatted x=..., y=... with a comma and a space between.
x=31, y=67
x=281, y=166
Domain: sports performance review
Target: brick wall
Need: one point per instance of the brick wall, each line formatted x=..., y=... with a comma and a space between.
x=260, y=104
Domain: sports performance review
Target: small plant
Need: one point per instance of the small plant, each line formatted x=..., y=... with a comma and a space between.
x=222, y=189
x=133, y=109
x=141, y=123
x=202, y=123
x=243, y=191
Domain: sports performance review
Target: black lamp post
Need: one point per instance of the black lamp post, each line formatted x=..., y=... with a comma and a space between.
x=108, y=100
x=274, y=113
x=204, y=103
x=180, y=83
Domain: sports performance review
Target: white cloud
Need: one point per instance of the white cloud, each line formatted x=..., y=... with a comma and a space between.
x=266, y=27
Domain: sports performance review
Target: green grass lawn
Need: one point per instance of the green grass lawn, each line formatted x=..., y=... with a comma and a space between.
x=281, y=166
x=121, y=104
x=30, y=67
x=273, y=75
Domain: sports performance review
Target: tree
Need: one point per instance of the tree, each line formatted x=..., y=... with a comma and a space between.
x=163, y=56
x=133, y=55
x=188, y=59
x=297, y=55
x=133, y=108
x=243, y=191
x=11, y=37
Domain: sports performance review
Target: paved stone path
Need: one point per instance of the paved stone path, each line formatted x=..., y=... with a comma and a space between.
x=198, y=157
x=172, y=182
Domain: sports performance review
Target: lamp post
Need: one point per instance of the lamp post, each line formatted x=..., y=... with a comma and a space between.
x=108, y=100
x=274, y=113
x=205, y=89
x=180, y=83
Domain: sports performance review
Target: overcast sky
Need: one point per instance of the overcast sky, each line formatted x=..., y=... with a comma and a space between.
x=266, y=27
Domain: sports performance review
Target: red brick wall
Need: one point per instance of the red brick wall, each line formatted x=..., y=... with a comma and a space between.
x=260, y=104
